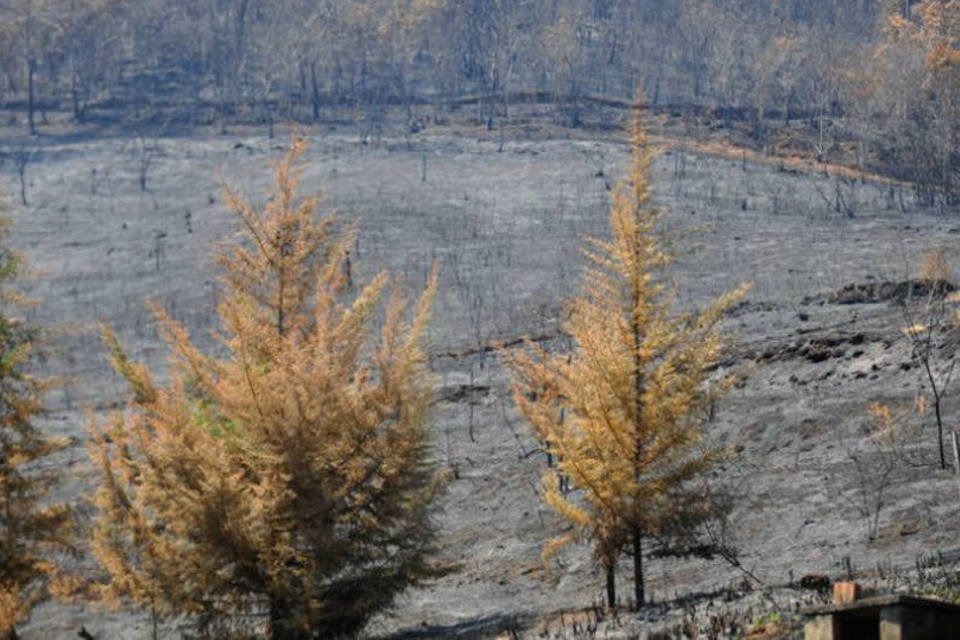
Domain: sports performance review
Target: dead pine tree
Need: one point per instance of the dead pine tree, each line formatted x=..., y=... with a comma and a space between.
x=32, y=527
x=281, y=482
x=621, y=413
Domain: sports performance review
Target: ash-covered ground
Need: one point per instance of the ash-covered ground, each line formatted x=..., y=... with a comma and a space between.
x=505, y=226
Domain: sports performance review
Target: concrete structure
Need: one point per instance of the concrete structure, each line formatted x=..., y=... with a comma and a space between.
x=895, y=617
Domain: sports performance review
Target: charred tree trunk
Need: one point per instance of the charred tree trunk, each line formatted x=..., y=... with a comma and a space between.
x=314, y=90
x=31, y=94
x=638, y=593
x=284, y=623
x=75, y=97
x=611, y=585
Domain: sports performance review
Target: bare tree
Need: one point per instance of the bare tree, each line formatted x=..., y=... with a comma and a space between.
x=930, y=316
x=876, y=459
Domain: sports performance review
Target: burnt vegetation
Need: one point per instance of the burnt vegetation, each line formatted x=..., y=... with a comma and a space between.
x=871, y=84
x=732, y=389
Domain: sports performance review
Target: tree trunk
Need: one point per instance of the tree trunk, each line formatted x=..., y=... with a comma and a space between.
x=638, y=388
x=75, y=97
x=314, y=90
x=611, y=586
x=283, y=622
x=22, y=174
x=956, y=454
x=638, y=567
x=31, y=98
x=936, y=408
